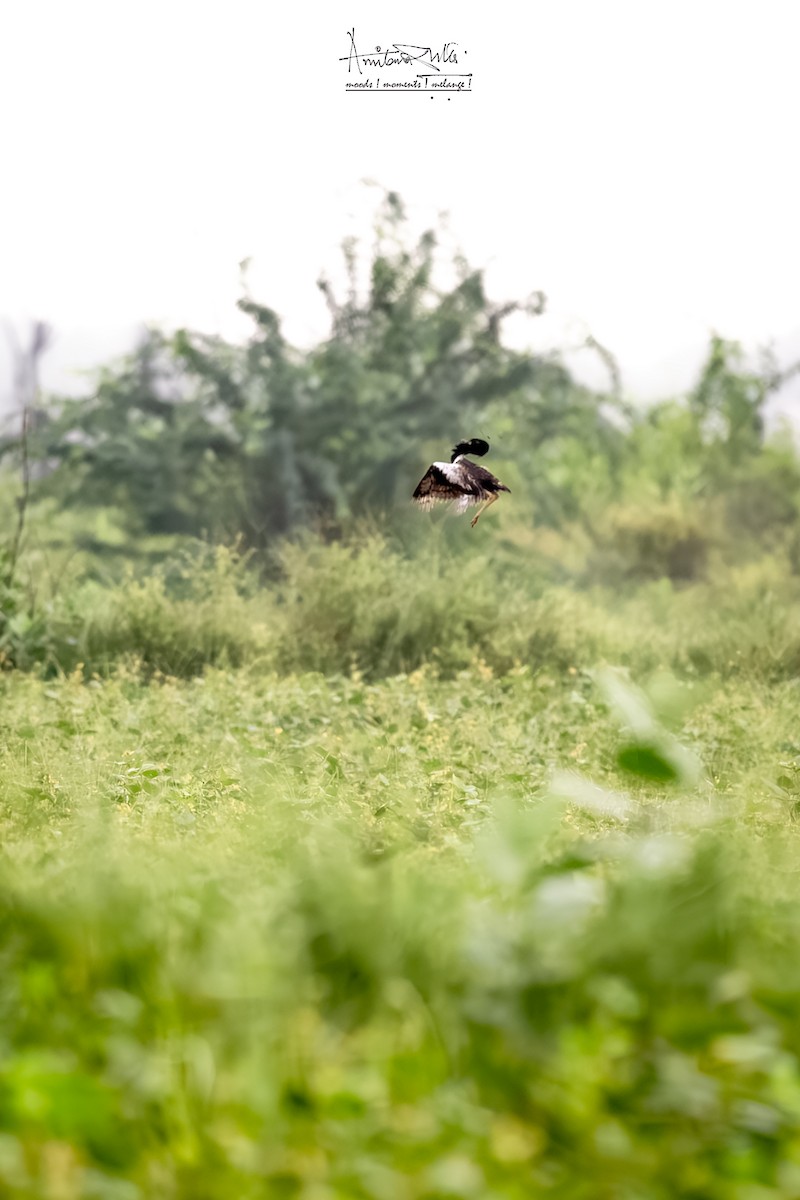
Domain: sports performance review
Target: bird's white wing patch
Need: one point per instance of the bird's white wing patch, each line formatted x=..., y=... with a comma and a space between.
x=450, y=472
x=454, y=473
x=446, y=483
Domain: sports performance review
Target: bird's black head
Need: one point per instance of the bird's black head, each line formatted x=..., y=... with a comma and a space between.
x=476, y=446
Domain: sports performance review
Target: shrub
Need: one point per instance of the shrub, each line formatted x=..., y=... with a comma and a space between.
x=651, y=541
x=188, y=614
x=365, y=606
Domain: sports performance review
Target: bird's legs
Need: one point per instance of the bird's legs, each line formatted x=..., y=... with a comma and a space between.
x=483, y=508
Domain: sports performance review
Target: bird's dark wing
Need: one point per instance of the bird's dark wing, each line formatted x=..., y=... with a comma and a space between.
x=461, y=484
x=483, y=481
x=435, y=485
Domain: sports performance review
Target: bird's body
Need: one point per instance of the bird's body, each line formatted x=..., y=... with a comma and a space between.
x=460, y=482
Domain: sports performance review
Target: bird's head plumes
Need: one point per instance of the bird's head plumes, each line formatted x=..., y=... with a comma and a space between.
x=476, y=446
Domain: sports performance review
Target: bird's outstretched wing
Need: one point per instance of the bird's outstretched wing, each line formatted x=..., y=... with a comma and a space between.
x=447, y=487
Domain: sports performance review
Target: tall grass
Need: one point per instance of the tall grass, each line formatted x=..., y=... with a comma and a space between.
x=281, y=937
x=371, y=606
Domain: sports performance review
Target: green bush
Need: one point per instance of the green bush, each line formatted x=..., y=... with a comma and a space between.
x=364, y=606
x=649, y=541
x=188, y=614
x=368, y=607
x=746, y=621
x=26, y=634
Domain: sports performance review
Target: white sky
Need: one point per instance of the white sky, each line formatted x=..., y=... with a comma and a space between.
x=636, y=161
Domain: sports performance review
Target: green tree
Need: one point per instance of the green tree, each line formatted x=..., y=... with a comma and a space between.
x=191, y=433
x=728, y=404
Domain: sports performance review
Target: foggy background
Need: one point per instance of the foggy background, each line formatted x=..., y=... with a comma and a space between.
x=636, y=163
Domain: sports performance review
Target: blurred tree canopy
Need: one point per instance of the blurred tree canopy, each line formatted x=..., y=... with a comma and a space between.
x=191, y=434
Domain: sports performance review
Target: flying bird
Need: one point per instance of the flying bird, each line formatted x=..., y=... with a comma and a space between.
x=460, y=482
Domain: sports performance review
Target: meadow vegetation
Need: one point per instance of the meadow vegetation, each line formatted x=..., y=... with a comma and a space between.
x=349, y=852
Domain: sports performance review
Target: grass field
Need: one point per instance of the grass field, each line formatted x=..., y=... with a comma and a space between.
x=488, y=931
x=348, y=852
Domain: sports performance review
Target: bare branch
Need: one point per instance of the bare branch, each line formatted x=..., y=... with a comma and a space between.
x=26, y=393
x=609, y=362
